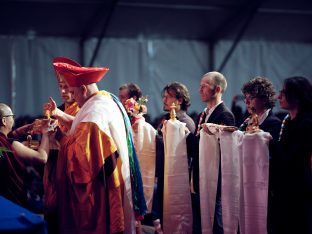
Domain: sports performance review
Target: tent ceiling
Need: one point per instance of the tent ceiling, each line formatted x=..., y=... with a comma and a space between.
x=280, y=20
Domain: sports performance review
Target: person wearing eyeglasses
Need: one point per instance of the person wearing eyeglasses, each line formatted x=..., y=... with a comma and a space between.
x=14, y=156
x=293, y=197
x=260, y=98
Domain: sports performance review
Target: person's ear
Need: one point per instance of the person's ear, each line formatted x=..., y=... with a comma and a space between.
x=218, y=89
x=3, y=121
x=180, y=101
x=83, y=89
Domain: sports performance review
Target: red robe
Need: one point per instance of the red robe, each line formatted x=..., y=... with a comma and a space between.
x=12, y=174
x=88, y=184
x=50, y=170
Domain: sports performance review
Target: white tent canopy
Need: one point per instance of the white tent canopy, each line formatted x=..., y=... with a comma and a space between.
x=27, y=75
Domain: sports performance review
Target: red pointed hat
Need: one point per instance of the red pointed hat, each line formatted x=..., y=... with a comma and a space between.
x=76, y=75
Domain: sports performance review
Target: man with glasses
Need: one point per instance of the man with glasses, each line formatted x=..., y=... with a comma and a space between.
x=260, y=99
x=14, y=157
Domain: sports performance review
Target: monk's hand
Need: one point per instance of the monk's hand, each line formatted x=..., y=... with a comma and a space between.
x=43, y=126
x=50, y=109
x=48, y=126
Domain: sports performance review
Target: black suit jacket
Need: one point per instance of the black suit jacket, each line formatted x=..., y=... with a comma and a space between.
x=221, y=115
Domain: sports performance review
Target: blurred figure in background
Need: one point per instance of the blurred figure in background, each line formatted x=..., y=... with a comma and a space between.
x=237, y=110
x=127, y=91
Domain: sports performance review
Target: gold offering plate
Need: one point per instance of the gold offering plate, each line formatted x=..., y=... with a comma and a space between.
x=224, y=127
x=230, y=128
x=38, y=124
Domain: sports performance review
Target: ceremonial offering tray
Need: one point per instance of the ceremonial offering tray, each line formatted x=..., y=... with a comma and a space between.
x=222, y=127
x=37, y=125
x=229, y=128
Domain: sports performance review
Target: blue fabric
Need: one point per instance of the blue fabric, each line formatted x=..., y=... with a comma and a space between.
x=14, y=218
x=139, y=203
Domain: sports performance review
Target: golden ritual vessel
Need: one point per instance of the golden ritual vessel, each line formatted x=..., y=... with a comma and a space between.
x=173, y=114
x=253, y=124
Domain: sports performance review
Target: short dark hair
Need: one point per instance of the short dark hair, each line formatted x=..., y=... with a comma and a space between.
x=180, y=91
x=133, y=90
x=217, y=78
x=261, y=88
x=298, y=92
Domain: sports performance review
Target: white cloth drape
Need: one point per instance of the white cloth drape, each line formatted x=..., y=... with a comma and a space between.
x=145, y=146
x=209, y=157
x=112, y=125
x=177, y=214
x=230, y=144
x=255, y=170
x=244, y=173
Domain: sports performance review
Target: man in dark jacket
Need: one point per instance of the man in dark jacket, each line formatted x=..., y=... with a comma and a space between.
x=178, y=94
x=260, y=98
x=212, y=86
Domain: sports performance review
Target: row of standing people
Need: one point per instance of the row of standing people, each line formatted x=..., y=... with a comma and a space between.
x=290, y=184
x=81, y=172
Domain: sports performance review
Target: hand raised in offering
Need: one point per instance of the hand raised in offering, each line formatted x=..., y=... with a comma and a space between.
x=50, y=108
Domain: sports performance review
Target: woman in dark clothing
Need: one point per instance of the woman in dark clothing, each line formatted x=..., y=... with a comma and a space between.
x=293, y=197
